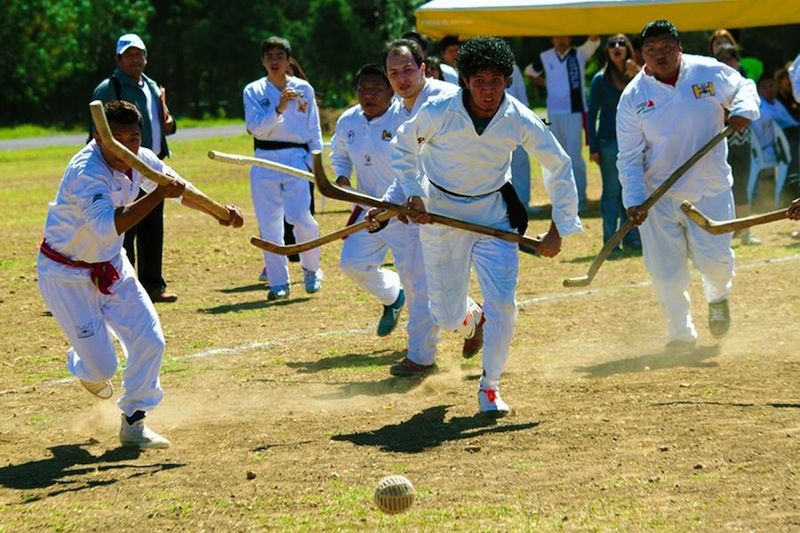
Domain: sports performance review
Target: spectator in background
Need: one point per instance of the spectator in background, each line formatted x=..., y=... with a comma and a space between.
x=771, y=111
x=433, y=68
x=785, y=96
x=129, y=83
x=607, y=86
x=562, y=71
x=448, y=48
x=752, y=67
x=740, y=156
x=281, y=114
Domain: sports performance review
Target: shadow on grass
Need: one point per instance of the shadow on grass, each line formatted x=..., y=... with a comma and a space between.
x=429, y=429
x=664, y=359
x=249, y=306
x=245, y=288
x=72, y=469
x=378, y=358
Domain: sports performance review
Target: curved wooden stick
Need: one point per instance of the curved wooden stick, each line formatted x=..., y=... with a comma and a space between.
x=290, y=249
x=237, y=159
x=120, y=150
x=651, y=200
x=727, y=226
x=331, y=190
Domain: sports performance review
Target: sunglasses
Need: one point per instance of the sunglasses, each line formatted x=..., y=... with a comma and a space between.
x=616, y=44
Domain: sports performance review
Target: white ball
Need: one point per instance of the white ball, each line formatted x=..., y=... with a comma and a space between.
x=394, y=494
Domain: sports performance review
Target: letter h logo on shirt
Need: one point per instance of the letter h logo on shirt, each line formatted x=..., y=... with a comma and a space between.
x=703, y=89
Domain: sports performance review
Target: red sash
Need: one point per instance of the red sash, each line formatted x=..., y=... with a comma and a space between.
x=103, y=274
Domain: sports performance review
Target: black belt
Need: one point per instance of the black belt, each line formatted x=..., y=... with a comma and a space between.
x=277, y=145
x=462, y=195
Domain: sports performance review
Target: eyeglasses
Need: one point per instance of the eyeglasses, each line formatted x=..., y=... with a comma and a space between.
x=616, y=44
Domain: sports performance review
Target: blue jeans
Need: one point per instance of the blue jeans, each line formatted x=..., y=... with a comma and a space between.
x=611, y=208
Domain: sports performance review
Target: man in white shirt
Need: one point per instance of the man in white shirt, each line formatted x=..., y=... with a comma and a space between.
x=562, y=72
x=464, y=144
x=666, y=113
x=88, y=283
x=362, y=142
x=520, y=162
x=448, y=48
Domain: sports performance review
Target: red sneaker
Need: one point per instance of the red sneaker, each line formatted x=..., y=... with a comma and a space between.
x=408, y=368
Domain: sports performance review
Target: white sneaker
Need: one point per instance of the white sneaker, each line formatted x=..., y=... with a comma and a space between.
x=102, y=389
x=490, y=403
x=139, y=435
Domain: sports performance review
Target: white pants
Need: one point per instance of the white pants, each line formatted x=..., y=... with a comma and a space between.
x=568, y=130
x=521, y=174
x=449, y=254
x=89, y=317
x=362, y=255
x=276, y=194
x=669, y=240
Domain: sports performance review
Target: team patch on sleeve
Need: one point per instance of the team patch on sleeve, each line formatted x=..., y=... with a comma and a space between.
x=703, y=89
x=645, y=107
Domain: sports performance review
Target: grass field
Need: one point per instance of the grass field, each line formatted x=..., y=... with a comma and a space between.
x=283, y=415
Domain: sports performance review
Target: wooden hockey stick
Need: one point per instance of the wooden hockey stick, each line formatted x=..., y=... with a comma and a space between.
x=651, y=200
x=290, y=249
x=237, y=159
x=120, y=150
x=326, y=188
x=727, y=226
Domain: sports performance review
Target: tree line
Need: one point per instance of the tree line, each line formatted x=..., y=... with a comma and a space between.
x=204, y=52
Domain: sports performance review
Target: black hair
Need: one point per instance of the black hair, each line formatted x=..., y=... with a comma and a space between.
x=276, y=42
x=448, y=41
x=122, y=113
x=433, y=62
x=417, y=38
x=485, y=53
x=371, y=69
x=395, y=45
x=657, y=28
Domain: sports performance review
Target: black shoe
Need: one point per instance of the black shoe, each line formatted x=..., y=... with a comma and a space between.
x=719, y=319
x=162, y=296
x=409, y=369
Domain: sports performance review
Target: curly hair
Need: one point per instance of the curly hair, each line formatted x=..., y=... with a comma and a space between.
x=485, y=53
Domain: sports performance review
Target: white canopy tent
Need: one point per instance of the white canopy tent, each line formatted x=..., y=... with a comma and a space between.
x=507, y=18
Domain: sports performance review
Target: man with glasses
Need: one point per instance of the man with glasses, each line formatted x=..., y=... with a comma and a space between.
x=666, y=113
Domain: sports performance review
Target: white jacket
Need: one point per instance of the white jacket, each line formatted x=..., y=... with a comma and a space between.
x=456, y=158
x=659, y=127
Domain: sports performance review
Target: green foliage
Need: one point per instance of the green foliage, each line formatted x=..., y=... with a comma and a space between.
x=50, y=47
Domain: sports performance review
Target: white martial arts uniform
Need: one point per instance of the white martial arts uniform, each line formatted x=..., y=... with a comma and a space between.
x=456, y=158
x=659, y=127
x=80, y=226
x=276, y=194
x=449, y=74
x=520, y=162
x=566, y=103
x=365, y=146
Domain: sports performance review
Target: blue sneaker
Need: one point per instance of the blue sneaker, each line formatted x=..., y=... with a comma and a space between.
x=312, y=280
x=391, y=315
x=278, y=292
x=263, y=276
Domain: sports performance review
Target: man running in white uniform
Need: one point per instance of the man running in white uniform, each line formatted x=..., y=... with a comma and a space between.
x=464, y=143
x=90, y=286
x=363, y=142
x=405, y=69
x=668, y=111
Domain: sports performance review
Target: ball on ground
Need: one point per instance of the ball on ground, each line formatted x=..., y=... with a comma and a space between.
x=394, y=494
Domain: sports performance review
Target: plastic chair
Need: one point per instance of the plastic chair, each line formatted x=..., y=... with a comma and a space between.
x=780, y=166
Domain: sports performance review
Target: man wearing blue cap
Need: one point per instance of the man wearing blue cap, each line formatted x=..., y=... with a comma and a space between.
x=129, y=83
